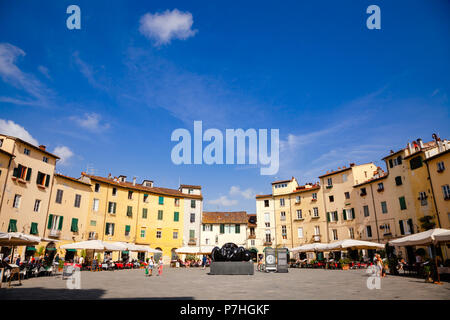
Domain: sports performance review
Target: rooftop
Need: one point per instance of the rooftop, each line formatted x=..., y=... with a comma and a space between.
x=32, y=146
x=236, y=217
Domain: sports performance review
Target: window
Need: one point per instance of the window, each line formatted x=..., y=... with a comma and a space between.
x=95, y=205
x=299, y=214
x=222, y=228
x=398, y=181
x=192, y=203
x=26, y=151
x=384, y=207
x=112, y=207
x=192, y=220
x=330, y=182
x=386, y=228
x=300, y=233
x=1, y=142
x=284, y=232
x=74, y=225
x=34, y=228
x=109, y=230
x=252, y=242
x=351, y=233
x=145, y=198
x=77, y=201
x=129, y=211
x=380, y=186
x=267, y=217
x=331, y=198
x=297, y=199
x=446, y=192
x=316, y=230
x=12, y=227
x=40, y=179
x=144, y=213
x=175, y=235
x=143, y=232
x=160, y=214
x=93, y=235
x=237, y=228
x=158, y=234
x=22, y=172
x=130, y=195
x=423, y=198
x=402, y=203
x=335, y=234
x=16, y=203
x=363, y=192
x=440, y=166
x=283, y=215
x=344, y=177
x=406, y=226
x=59, y=195
x=347, y=195
x=207, y=227
x=314, y=196
x=190, y=191
x=281, y=202
x=415, y=162
x=369, y=231
x=366, y=211
x=97, y=187
x=228, y=228
x=176, y=216
x=114, y=192
x=332, y=216
x=55, y=222
x=127, y=230
x=161, y=200
x=177, y=202
x=268, y=237
x=45, y=159
x=315, y=212
x=266, y=203
x=348, y=214
x=37, y=205
x=93, y=223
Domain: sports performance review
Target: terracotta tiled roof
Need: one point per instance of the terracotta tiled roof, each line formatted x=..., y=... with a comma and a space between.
x=334, y=172
x=260, y=196
x=31, y=145
x=426, y=146
x=72, y=179
x=152, y=190
x=304, y=189
x=381, y=177
x=281, y=181
x=189, y=186
x=237, y=217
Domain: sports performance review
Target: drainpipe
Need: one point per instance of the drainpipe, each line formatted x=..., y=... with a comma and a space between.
x=48, y=204
x=325, y=206
x=375, y=212
x=292, y=225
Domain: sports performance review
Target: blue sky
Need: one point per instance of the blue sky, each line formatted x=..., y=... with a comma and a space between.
x=108, y=96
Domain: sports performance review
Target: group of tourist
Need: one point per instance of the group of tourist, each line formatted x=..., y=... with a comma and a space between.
x=151, y=264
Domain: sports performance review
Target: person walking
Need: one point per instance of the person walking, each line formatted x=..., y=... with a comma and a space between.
x=151, y=265
x=204, y=260
x=160, y=266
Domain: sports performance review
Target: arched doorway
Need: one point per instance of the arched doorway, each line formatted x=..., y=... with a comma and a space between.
x=174, y=255
x=157, y=255
x=50, y=252
x=253, y=254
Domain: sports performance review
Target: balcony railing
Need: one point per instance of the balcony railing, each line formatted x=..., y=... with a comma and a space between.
x=252, y=236
x=267, y=243
x=55, y=233
x=192, y=241
x=316, y=238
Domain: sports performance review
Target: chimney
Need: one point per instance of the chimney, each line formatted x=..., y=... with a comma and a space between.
x=352, y=164
x=109, y=176
x=420, y=143
x=134, y=181
x=42, y=147
x=409, y=148
x=123, y=178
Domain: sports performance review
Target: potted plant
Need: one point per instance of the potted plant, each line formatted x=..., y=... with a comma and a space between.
x=344, y=264
x=60, y=265
x=427, y=270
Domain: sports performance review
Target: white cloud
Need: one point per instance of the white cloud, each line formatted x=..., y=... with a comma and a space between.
x=90, y=121
x=11, y=128
x=247, y=194
x=11, y=74
x=87, y=71
x=64, y=153
x=223, y=201
x=163, y=27
x=44, y=71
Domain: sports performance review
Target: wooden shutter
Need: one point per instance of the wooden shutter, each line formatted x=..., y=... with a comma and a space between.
x=60, y=223
x=222, y=228
x=28, y=174
x=74, y=226
x=47, y=181
x=238, y=229
x=50, y=221
x=328, y=216
x=402, y=230
x=353, y=213
x=344, y=214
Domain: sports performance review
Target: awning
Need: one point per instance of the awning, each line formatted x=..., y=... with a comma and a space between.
x=30, y=249
x=125, y=252
x=354, y=244
x=97, y=245
x=17, y=239
x=422, y=238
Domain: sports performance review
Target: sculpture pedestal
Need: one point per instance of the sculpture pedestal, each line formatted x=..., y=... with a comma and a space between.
x=232, y=267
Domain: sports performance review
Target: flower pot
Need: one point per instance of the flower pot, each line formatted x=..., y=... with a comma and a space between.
x=345, y=267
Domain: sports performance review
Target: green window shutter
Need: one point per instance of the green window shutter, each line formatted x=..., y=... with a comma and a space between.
x=144, y=213
x=127, y=228
x=129, y=211
x=344, y=214
x=34, y=228
x=353, y=213
x=47, y=181
x=191, y=234
x=12, y=225
x=16, y=172
x=222, y=228
x=50, y=221
x=114, y=207
x=402, y=230
x=106, y=228
x=74, y=226
x=402, y=203
x=204, y=228
x=328, y=216
x=160, y=214
x=60, y=223
x=28, y=178
x=238, y=228
x=336, y=215
x=161, y=200
x=176, y=216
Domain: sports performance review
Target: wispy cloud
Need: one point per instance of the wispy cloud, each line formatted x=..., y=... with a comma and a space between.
x=223, y=201
x=64, y=153
x=88, y=72
x=44, y=71
x=163, y=27
x=37, y=94
x=11, y=128
x=247, y=193
x=91, y=121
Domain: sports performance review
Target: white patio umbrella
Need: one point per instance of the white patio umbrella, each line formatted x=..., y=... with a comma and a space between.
x=354, y=244
x=17, y=239
x=97, y=245
x=422, y=238
x=188, y=250
x=206, y=249
x=151, y=250
x=443, y=237
x=311, y=247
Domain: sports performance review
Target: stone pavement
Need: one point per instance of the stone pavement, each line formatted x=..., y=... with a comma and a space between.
x=311, y=284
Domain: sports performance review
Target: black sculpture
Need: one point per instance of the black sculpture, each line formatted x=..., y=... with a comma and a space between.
x=230, y=252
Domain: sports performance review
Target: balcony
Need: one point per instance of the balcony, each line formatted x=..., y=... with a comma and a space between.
x=315, y=217
x=380, y=189
x=316, y=238
x=252, y=236
x=192, y=242
x=55, y=233
x=267, y=244
x=329, y=186
x=314, y=199
x=440, y=170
